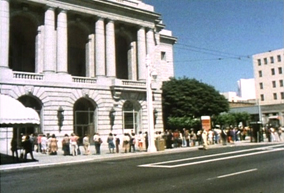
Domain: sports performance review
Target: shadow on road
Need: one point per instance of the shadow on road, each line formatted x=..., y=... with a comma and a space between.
x=8, y=159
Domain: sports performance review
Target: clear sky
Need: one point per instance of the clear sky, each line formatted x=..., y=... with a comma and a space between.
x=217, y=38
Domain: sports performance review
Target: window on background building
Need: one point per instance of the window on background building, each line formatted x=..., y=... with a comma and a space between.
x=282, y=95
x=280, y=70
x=163, y=56
x=273, y=83
x=271, y=60
x=259, y=62
x=260, y=73
x=261, y=85
x=262, y=97
x=272, y=71
x=265, y=60
x=275, y=96
x=281, y=83
x=279, y=58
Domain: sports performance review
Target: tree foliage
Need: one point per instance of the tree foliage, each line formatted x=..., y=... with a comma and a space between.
x=234, y=119
x=185, y=97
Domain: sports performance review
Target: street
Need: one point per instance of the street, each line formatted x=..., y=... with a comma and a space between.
x=235, y=169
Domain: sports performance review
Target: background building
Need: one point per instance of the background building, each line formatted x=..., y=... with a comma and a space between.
x=83, y=63
x=269, y=83
x=246, y=89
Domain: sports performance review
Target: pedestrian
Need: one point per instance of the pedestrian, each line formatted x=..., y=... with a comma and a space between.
x=53, y=146
x=117, y=143
x=110, y=142
x=86, y=144
x=27, y=145
x=14, y=148
x=74, y=145
x=132, y=142
x=66, y=145
x=186, y=137
x=44, y=142
x=146, y=140
x=140, y=139
x=204, y=137
x=39, y=149
x=98, y=141
x=126, y=141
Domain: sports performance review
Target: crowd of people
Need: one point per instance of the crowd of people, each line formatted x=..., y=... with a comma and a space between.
x=131, y=142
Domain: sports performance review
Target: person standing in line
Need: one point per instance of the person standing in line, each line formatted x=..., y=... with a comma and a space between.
x=132, y=142
x=110, y=142
x=27, y=144
x=53, y=145
x=186, y=137
x=43, y=143
x=146, y=140
x=86, y=144
x=39, y=149
x=66, y=145
x=204, y=136
x=14, y=148
x=117, y=143
x=126, y=140
x=73, y=142
x=140, y=140
x=98, y=141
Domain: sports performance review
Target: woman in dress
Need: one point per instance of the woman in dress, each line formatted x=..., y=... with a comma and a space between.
x=53, y=145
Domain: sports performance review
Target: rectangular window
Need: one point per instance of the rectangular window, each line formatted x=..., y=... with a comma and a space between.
x=273, y=84
x=282, y=95
x=260, y=73
x=280, y=70
x=279, y=58
x=281, y=83
x=163, y=56
x=271, y=60
x=265, y=60
x=262, y=97
x=259, y=62
x=261, y=85
x=272, y=71
x=275, y=96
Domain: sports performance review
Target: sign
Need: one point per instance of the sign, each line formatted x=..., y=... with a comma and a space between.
x=206, y=122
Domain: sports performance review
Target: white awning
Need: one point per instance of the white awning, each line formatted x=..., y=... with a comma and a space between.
x=13, y=112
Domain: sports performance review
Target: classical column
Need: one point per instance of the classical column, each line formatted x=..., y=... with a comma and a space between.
x=100, y=48
x=4, y=33
x=110, y=49
x=150, y=44
x=62, y=42
x=141, y=41
x=90, y=59
x=49, y=40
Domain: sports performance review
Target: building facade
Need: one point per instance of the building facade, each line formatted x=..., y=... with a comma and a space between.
x=246, y=89
x=269, y=83
x=82, y=64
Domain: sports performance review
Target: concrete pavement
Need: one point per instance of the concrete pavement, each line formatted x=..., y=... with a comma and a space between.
x=44, y=160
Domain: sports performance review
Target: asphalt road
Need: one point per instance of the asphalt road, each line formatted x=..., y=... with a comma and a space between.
x=252, y=169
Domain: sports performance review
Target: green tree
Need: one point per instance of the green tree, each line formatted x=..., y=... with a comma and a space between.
x=185, y=97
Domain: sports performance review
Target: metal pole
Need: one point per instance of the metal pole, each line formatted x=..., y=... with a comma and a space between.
x=151, y=141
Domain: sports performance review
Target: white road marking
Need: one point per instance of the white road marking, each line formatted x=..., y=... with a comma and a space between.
x=237, y=173
x=159, y=164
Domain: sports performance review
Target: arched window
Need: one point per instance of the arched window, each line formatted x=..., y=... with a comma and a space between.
x=84, y=118
x=131, y=116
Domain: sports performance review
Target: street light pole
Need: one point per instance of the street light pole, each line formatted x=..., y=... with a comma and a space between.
x=151, y=140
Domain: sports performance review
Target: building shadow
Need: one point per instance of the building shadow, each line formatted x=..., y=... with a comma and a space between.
x=8, y=159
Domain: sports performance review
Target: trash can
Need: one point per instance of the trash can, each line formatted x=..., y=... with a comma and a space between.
x=160, y=144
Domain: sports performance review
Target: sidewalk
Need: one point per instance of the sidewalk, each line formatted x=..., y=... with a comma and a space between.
x=44, y=160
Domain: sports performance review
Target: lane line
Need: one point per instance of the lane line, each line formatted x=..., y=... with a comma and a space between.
x=214, y=155
x=237, y=173
x=158, y=165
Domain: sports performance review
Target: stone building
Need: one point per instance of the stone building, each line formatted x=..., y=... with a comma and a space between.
x=83, y=63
